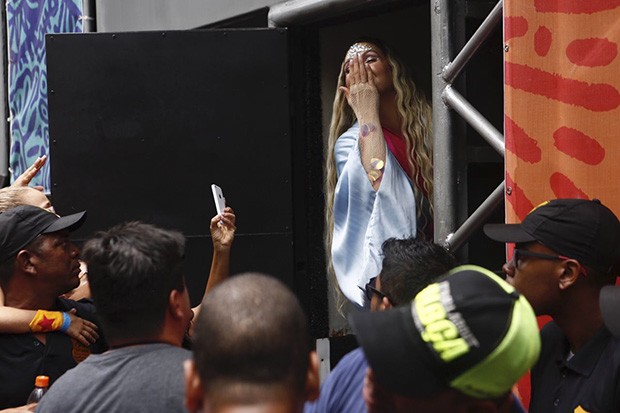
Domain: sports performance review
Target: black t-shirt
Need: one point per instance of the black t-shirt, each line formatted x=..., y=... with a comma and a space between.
x=23, y=357
x=590, y=379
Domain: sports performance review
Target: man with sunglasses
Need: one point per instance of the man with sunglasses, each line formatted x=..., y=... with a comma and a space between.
x=566, y=251
x=409, y=265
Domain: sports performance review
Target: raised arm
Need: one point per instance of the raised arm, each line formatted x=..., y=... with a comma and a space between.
x=222, y=235
x=363, y=97
x=18, y=321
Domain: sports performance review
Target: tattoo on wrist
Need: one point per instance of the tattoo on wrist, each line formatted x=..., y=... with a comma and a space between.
x=367, y=129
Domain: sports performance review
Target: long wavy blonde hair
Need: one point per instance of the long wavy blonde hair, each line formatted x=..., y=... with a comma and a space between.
x=416, y=114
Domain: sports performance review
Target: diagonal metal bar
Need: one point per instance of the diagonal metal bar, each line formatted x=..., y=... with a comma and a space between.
x=477, y=121
x=452, y=70
x=475, y=221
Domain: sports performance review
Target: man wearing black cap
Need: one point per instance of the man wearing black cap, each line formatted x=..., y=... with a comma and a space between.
x=566, y=252
x=408, y=266
x=38, y=263
x=458, y=347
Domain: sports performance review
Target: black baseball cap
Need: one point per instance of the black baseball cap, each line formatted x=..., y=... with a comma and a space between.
x=470, y=331
x=19, y=226
x=581, y=229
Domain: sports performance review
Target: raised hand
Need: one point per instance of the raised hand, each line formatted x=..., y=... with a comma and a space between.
x=361, y=92
x=223, y=230
x=25, y=178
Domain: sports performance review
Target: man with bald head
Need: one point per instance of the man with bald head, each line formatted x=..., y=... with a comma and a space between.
x=252, y=350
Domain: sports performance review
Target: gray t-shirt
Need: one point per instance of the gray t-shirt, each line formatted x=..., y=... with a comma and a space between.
x=140, y=378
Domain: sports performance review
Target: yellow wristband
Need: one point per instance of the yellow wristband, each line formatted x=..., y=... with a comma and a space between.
x=45, y=321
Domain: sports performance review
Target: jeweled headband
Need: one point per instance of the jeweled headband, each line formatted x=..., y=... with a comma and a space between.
x=357, y=48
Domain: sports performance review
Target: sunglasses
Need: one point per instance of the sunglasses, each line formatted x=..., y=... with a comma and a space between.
x=519, y=254
x=370, y=290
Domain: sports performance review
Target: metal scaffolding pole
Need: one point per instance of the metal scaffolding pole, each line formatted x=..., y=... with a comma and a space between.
x=444, y=98
x=444, y=168
x=88, y=16
x=293, y=12
x=5, y=135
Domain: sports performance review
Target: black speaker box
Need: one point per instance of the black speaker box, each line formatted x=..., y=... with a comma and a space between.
x=141, y=124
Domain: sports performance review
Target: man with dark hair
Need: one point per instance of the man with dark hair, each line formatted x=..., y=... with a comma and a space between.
x=458, y=347
x=137, y=281
x=252, y=350
x=409, y=265
x=566, y=252
x=38, y=263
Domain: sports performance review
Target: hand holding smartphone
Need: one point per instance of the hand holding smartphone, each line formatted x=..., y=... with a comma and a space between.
x=218, y=198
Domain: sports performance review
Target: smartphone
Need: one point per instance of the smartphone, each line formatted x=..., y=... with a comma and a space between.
x=218, y=198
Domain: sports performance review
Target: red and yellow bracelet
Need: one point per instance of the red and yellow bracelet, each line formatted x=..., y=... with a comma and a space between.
x=46, y=321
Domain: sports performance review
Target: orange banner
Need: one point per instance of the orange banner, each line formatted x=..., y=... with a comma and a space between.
x=562, y=102
x=561, y=105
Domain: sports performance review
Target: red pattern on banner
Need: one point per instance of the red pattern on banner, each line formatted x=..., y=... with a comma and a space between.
x=542, y=41
x=519, y=201
x=578, y=59
x=563, y=187
x=578, y=145
x=598, y=97
x=520, y=143
x=592, y=52
x=514, y=26
x=575, y=6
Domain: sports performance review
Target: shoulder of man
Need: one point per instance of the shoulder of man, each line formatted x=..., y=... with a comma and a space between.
x=343, y=386
x=85, y=308
x=551, y=334
x=553, y=342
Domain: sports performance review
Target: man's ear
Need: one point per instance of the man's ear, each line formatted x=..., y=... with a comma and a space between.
x=175, y=303
x=193, y=387
x=386, y=304
x=24, y=261
x=571, y=271
x=312, y=378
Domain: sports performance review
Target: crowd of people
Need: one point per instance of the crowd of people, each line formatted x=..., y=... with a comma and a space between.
x=113, y=328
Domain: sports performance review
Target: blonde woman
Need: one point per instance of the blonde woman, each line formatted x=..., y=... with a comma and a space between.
x=378, y=168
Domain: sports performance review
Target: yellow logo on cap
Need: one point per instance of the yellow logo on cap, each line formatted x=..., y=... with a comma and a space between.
x=580, y=409
x=440, y=332
x=538, y=206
